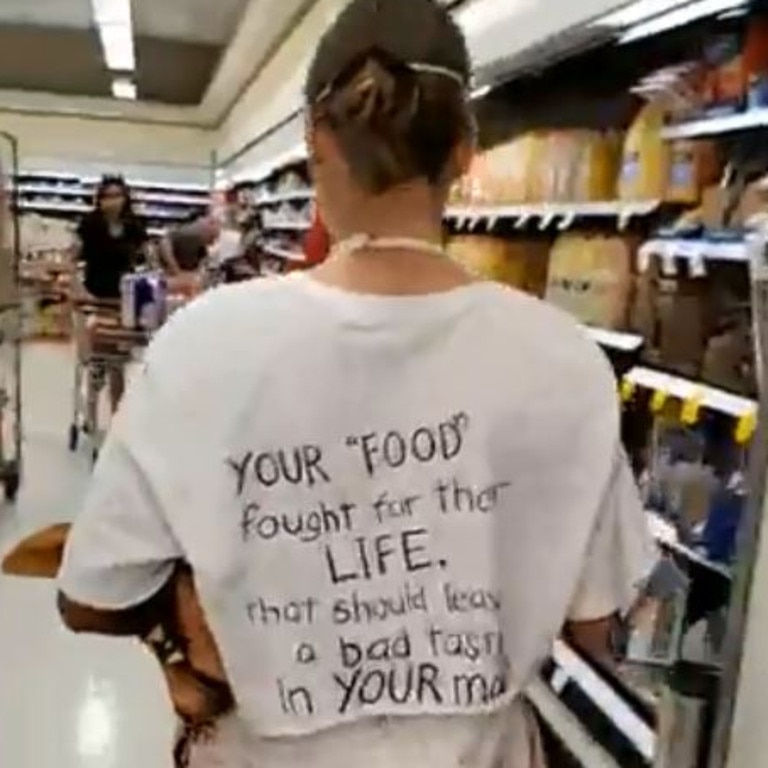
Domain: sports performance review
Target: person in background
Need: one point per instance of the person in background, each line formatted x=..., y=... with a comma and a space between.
x=383, y=564
x=317, y=243
x=185, y=249
x=110, y=242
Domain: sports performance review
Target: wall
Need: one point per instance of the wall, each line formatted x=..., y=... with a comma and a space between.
x=276, y=93
x=84, y=145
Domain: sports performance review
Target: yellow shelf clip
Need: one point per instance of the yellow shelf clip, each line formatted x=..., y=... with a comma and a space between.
x=691, y=410
x=745, y=428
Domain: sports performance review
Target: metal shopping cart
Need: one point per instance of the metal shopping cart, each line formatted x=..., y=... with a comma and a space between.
x=103, y=348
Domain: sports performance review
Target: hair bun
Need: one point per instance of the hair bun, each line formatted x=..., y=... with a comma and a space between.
x=379, y=96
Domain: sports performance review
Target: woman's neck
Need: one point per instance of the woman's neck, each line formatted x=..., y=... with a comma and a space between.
x=411, y=211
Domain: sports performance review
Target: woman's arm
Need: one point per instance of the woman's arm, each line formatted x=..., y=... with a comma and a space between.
x=167, y=258
x=595, y=639
x=136, y=621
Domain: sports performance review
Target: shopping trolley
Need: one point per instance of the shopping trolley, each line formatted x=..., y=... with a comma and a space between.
x=102, y=346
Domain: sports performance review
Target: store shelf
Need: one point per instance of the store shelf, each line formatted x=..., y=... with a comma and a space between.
x=666, y=535
x=683, y=389
x=59, y=186
x=618, y=340
x=561, y=214
x=694, y=250
x=297, y=226
x=283, y=253
x=294, y=196
x=52, y=189
x=53, y=205
x=170, y=199
x=716, y=126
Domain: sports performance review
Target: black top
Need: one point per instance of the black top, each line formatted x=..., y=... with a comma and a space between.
x=109, y=256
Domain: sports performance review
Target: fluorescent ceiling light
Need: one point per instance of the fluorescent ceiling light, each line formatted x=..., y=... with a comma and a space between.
x=123, y=88
x=693, y=11
x=117, y=46
x=112, y=12
x=113, y=20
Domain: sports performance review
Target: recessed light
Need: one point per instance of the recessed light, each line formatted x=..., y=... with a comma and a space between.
x=123, y=88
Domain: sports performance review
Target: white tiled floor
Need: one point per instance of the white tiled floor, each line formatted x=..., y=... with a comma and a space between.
x=65, y=701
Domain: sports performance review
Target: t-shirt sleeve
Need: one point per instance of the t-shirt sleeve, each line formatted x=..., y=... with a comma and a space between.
x=121, y=549
x=621, y=553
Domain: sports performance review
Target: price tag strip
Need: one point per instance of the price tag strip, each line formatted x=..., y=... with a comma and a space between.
x=696, y=396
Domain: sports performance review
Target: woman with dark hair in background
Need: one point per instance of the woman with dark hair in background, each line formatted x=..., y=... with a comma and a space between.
x=384, y=562
x=111, y=241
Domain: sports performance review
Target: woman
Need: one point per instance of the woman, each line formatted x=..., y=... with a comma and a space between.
x=384, y=563
x=111, y=240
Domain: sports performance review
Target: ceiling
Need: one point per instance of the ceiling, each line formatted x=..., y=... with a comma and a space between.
x=179, y=44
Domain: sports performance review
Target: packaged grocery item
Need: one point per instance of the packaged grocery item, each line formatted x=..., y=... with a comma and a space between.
x=521, y=264
x=591, y=277
x=513, y=166
x=752, y=204
x=728, y=360
x=726, y=82
x=143, y=300
x=756, y=63
x=683, y=322
x=678, y=88
x=597, y=166
x=645, y=158
x=642, y=313
x=692, y=166
x=718, y=204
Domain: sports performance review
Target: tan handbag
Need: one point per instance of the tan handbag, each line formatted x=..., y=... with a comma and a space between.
x=182, y=643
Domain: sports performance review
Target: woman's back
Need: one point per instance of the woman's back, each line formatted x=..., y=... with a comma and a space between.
x=394, y=485
x=389, y=515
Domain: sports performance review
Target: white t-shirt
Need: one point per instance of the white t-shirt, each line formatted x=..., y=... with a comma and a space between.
x=391, y=504
x=227, y=247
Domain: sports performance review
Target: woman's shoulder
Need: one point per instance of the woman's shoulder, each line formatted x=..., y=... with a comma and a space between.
x=225, y=307
x=548, y=340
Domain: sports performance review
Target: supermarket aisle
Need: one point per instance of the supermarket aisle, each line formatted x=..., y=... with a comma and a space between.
x=65, y=701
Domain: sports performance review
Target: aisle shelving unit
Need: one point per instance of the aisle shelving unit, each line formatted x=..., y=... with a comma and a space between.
x=159, y=204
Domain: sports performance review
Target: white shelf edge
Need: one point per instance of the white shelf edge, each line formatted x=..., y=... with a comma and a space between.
x=283, y=253
x=298, y=226
x=147, y=197
x=681, y=248
x=684, y=389
x=53, y=205
x=619, y=340
x=714, y=126
x=298, y=196
x=619, y=208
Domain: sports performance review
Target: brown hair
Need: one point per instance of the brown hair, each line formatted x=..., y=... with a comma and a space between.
x=390, y=80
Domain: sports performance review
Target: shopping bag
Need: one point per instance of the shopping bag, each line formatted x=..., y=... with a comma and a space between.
x=182, y=643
